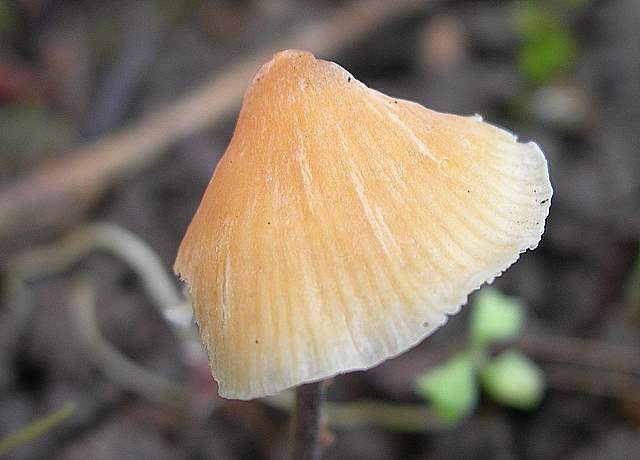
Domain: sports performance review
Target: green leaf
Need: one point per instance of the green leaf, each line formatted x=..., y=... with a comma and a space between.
x=451, y=388
x=495, y=317
x=548, y=47
x=513, y=380
x=544, y=58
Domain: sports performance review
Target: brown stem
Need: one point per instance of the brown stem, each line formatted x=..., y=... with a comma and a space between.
x=305, y=421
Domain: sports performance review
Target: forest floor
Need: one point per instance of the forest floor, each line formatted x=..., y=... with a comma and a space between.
x=74, y=72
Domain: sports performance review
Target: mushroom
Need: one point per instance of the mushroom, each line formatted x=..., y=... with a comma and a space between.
x=342, y=226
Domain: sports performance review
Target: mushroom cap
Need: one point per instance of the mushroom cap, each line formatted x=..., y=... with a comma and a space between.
x=342, y=226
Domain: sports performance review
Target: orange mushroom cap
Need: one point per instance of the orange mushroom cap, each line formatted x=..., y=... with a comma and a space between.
x=342, y=226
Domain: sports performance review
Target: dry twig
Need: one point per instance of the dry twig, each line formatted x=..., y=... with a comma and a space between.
x=582, y=352
x=59, y=192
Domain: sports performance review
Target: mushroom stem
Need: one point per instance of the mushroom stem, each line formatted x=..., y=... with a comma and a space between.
x=305, y=421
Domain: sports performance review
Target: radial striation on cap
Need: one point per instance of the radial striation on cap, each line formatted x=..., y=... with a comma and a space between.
x=342, y=226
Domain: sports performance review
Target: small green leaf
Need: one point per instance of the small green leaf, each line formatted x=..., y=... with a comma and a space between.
x=451, y=388
x=546, y=57
x=495, y=317
x=513, y=380
x=548, y=47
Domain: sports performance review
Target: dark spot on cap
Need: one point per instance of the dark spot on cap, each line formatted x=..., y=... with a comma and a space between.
x=544, y=201
x=257, y=341
x=349, y=79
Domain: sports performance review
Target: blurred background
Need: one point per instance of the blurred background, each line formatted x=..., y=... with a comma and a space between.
x=113, y=115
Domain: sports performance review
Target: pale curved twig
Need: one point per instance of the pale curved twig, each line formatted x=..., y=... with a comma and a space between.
x=112, y=362
x=158, y=284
